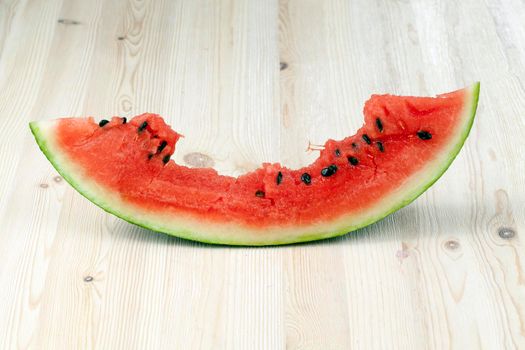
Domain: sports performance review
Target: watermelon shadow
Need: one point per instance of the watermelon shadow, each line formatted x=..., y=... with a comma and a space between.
x=397, y=226
x=407, y=224
x=415, y=221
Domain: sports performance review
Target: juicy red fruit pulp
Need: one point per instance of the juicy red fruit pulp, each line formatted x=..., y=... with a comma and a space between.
x=400, y=136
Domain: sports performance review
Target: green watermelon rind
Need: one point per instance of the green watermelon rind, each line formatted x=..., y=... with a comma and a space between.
x=84, y=189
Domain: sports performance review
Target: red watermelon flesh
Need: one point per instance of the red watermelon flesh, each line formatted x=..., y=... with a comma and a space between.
x=405, y=144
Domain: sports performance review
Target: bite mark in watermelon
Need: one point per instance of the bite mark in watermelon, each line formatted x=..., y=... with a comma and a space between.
x=405, y=145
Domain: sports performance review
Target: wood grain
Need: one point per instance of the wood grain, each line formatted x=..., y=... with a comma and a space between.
x=247, y=82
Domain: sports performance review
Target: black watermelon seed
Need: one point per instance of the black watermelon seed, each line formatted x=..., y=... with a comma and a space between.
x=150, y=155
x=103, y=122
x=162, y=145
x=306, y=178
x=354, y=145
x=424, y=135
x=337, y=152
x=380, y=146
x=366, y=139
x=379, y=125
x=329, y=171
x=143, y=126
x=279, y=178
x=259, y=193
x=353, y=160
x=124, y=120
x=166, y=159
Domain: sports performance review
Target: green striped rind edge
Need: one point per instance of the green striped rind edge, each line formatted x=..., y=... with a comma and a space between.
x=305, y=237
x=77, y=185
x=471, y=114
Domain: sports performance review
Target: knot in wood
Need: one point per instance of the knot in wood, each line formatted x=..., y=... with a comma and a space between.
x=198, y=160
x=452, y=244
x=88, y=279
x=506, y=233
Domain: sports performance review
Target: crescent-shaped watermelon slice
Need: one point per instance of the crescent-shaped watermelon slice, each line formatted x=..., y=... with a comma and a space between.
x=405, y=145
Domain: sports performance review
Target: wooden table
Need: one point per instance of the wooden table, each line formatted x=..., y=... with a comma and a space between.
x=247, y=82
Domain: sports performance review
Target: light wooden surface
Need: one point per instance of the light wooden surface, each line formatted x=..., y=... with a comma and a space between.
x=441, y=273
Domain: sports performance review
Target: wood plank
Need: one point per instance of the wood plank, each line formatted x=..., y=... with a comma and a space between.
x=248, y=82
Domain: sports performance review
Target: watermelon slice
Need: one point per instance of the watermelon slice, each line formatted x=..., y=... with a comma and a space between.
x=124, y=167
